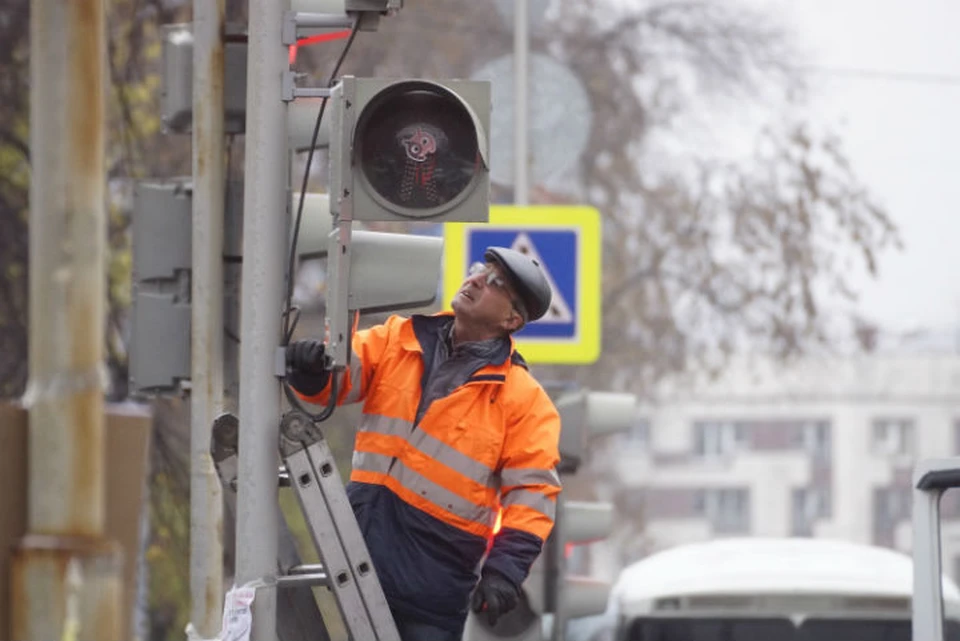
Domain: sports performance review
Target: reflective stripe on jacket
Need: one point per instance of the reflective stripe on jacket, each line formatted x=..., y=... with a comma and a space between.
x=490, y=444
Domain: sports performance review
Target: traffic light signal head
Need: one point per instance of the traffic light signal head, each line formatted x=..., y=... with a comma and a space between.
x=583, y=523
x=376, y=272
x=162, y=261
x=586, y=415
x=414, y=150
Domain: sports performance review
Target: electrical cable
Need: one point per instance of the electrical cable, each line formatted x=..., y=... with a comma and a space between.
x=288, y=330
x=292, y=314
x=327, y=410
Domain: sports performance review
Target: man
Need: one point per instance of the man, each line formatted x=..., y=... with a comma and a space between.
x=454, y=431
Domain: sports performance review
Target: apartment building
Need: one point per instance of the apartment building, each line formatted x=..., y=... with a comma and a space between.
x=825, y=448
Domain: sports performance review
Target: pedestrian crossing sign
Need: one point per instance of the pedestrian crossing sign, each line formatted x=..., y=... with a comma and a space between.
x=565, y=240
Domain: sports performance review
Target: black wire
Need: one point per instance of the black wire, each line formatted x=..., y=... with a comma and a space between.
x=290, y=312
x=288, y=329
x=295, y=312
x=331, y=402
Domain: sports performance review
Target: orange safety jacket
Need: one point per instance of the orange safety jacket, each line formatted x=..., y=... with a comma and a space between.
x=427, y=494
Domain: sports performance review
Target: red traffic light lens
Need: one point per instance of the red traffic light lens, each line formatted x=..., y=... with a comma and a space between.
x=417, y=147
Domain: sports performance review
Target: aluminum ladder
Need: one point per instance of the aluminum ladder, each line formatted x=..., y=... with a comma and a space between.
x=309, y=469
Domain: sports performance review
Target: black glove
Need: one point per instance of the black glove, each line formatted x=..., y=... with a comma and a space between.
x=307, y=367
x=495, y=594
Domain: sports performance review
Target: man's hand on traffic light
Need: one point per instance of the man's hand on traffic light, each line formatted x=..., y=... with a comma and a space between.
x=307, y=366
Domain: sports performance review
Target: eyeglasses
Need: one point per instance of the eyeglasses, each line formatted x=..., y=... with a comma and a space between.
x=493, y=278
x=478, y=269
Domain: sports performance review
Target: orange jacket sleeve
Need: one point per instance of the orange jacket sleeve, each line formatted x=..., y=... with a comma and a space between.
x=529, y=482
x=367, y=349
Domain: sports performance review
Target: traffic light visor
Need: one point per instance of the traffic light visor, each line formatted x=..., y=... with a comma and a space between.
x=419, y=148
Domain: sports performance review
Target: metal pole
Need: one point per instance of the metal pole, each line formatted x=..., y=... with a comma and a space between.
x=521, y=147
x=557, y=571
x=206, y=375
x=66, y=576
x=927, y=603
x=264, y=236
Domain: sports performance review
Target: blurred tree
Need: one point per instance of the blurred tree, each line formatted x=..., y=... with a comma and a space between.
x=168, y=547
x=14, y=190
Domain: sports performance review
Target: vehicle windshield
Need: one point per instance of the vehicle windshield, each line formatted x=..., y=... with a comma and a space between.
x=774, y=629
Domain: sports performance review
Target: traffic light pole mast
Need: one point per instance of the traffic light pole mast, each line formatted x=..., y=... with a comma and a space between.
x=206, y=391
x=264, y=240
x=521, y=137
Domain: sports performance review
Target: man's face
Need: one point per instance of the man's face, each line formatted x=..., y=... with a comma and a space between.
x=487, y=298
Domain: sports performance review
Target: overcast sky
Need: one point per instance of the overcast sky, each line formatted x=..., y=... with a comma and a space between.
x=902, y=132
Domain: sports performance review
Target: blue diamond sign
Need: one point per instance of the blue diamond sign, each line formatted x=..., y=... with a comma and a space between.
x=566, y=242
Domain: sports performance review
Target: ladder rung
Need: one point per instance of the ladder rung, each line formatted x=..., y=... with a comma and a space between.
x=297, y=580
x=307, y=568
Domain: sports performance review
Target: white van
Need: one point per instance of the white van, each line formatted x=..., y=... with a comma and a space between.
x=760, y=589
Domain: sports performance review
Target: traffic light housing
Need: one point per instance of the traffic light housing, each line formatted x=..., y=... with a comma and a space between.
x=586, y=415
x=375, y=272
x=410, y=149
x=176, y=95
x=314, y=235
x=159, y=354
x=582, y=523
x=400, y=150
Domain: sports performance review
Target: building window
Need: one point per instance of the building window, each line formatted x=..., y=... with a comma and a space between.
x=891, y=505
x=638, y=434
x=665, y=503
x=718, y=438
x=809, y=505
x=816, y=439
x=893, y=436
x=727, y=509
